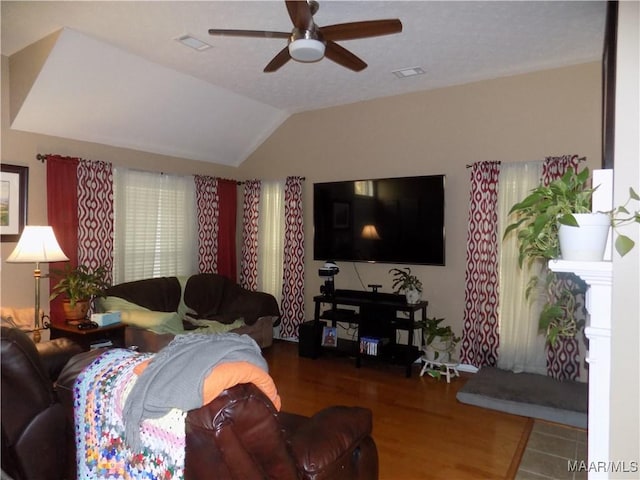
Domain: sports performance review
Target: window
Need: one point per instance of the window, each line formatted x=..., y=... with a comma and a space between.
x=155, y=225
x=271, y=239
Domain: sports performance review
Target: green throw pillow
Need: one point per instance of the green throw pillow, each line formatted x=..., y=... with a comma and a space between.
x=117, y=304
x=157, y=322
x=211, y=326
x=139, y=316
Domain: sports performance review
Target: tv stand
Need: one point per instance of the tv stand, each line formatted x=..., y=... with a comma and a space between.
x=378, y=317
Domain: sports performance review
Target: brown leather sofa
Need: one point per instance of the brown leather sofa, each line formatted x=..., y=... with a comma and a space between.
x=207, y=296
x=238, y=435
x=36, y=434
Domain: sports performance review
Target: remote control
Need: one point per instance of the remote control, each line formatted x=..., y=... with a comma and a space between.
x=87, y=325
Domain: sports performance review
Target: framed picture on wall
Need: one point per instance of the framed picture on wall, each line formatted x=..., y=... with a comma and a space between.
x=341, y=215
x=14, y=184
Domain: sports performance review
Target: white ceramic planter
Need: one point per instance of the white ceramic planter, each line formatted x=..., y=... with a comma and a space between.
x=587, y=242
x=413, y=296
x=439, y=350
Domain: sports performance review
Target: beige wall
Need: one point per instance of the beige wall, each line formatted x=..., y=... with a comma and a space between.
x=518, y=118
x=514, y=119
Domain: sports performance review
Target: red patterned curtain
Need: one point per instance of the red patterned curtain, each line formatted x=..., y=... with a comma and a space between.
x=480, y=331
x=95, y=215
x=62, y=213
x=208, y=226
x=80, y=210
x=563, y=358
x=228, y=194
x=250, y=217
x=556, y=167
x=293, y=272
x=217, y=204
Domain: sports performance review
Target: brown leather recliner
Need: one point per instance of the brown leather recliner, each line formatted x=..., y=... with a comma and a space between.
x=36, y=433
x=240, y=435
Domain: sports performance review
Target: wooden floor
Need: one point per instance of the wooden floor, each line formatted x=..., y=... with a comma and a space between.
x=420, y=429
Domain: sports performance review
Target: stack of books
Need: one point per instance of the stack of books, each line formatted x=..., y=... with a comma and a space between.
x=370, y=345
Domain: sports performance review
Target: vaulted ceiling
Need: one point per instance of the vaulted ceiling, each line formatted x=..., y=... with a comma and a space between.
x=115, y=73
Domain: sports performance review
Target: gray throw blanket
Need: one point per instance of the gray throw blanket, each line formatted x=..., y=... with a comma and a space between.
x=175, y=376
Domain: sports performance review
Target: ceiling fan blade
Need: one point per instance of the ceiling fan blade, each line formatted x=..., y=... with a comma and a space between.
x=353, y=30
x=300, y=14
x=343, y=57
x=248, y=33
x=279, y=60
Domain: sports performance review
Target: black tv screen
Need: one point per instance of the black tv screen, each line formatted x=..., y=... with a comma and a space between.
x=390, y=220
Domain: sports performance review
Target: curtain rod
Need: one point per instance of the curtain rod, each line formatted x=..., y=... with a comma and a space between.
x=42, y=157
x=580, y=159
x=241, y=182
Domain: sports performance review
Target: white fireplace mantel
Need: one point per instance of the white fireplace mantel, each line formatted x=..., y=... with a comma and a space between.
x=598, y=276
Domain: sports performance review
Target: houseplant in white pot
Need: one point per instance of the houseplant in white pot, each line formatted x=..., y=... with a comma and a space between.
x=539, y=218
x=405, y=282
x=553, y=216
x=439, y=341
x=547, y=207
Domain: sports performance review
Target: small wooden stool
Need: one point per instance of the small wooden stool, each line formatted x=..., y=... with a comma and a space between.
x=448, y=369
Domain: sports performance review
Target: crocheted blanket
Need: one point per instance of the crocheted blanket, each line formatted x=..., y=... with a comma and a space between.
x=99, y=396
x=103, y=389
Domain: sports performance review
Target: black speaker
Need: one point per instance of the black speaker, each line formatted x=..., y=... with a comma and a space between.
x=309, y=339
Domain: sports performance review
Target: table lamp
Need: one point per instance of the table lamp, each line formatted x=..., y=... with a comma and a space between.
x=37, y=244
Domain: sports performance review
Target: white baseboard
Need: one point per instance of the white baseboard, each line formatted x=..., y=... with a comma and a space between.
x=465, y=367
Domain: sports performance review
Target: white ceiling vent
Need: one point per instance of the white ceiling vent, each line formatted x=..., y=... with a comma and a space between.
x=192, y=42
x=408, y=72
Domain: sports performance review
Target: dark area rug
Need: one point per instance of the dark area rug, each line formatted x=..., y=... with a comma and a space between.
x=529, y=395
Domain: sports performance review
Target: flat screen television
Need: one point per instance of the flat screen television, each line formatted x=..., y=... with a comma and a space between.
x=387, y=220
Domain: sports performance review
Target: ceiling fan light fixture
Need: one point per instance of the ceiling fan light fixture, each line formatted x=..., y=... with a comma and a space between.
x=306, y=50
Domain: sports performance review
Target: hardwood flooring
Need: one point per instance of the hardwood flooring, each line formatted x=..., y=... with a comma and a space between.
x=420, y=429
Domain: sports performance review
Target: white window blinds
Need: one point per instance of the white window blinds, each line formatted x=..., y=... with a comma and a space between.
x=155, y=225
x=271, y=238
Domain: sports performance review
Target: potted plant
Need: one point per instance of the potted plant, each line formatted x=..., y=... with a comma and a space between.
x=544, y=209
x=405, y=282
x=439, y=341
x=559, y=316
x=621, y=216
x=539, y=219
x=566, y=202
x=79, y=285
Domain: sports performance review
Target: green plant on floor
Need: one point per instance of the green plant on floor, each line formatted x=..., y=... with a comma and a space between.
x=441, y=339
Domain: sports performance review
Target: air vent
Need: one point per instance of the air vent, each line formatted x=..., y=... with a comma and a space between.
x=408, y=72
x=192, y=42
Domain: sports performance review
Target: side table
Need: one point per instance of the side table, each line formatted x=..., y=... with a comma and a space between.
x=87, y=338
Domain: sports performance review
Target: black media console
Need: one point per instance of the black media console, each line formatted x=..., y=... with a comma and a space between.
x=378, y=318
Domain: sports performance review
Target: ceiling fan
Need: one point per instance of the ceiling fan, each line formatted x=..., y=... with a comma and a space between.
x=308, y=42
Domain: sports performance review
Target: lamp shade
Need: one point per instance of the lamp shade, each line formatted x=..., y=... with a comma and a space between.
x=37, y=244
x=370, y=232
